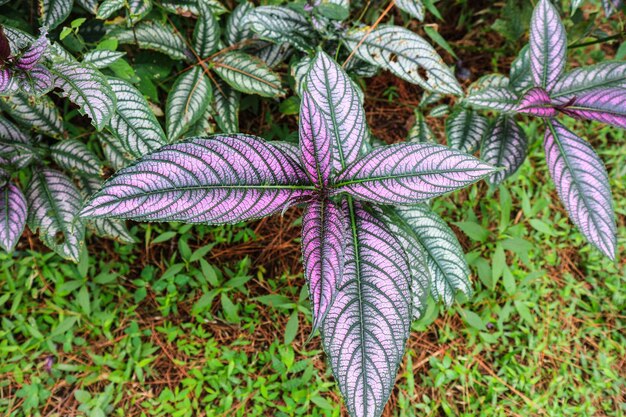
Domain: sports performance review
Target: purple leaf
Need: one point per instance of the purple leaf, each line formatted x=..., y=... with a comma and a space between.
x=536, y=102
x=410, y=173
x=336, y=97
x=607, y=106
x=548, y=45
x=5, y=80
x=366, y=328
x=315, y=142
x=36, y=82
x=583, y=186
x=506, y=146
x=222, y=179
x=585, y=79
x=324, y=232
x=29, y=59
x=13, y=214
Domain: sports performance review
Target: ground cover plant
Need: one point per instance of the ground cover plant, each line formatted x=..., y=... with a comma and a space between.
x=95, y=87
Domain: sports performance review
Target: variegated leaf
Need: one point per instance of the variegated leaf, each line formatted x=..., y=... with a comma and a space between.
x=86, y=87
x=444, y=255
x=536, y=102
x=465, y=130
x=90, y=5
x=134, y=123
x=324, y=236
x=299, y=71
x=53, y=205
x=611, y=6
x=273, y=54
x=413, y=7
x=236, y=27
x=279, y=25
x=405, y=54
x=420, y=132
x=155, y=36
x=520, y=76
x=337, y=99
x=606, y=106
x=225, y=109
x=248, y=74
x=40, y=114
x=190, y=7
x=548, y=45
x=204, y=126
x=586, y=79
x=138, y=9
x=315, y=142
x=102, y=58
x=187, y=101
x=366, y=328
x=31, y=57
x=13, y=213
x=505, y=146
x=583, y=186
x=35, y=82
x=206, y=34
x=73, y=155
x=409, y=173
x=114, y=151
x=15, y=146
x=204, y=181
x=493, y=98
x=107, y=8
x=54, y=12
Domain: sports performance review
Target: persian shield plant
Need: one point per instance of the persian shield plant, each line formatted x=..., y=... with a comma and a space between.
x=367, y=262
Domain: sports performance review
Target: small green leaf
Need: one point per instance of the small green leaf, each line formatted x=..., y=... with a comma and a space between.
x=291, y=329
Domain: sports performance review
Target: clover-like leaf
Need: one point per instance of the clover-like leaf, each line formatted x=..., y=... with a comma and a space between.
x=536, y=102
x=465, y=130
x=583, y=186
x=410, y=173
x=54, y=12
x=73, y=155
x=366, y=328
x=13, y=213
x=505, y=146
x=606, y=106
x=586, y=79
x=187, y=101
x=405, y=54
x=217, y=180
x=548, y=45
x=155, y=36
x=315, y=142
x=280, y=24
x=40, y=114
x=248, y=74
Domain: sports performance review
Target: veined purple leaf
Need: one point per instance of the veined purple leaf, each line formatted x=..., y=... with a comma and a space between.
x=222, y=179
x=40, y=113
x=548, y=45
x=520, y=75
x=585, y=79
x=324, y=234
x=409, y=173
x=536, y=102
x=465, y=130
x=36, y=82
x=366, y=328
x=315, y=142
x=13, y=214
x=606, y=105
x=335, y=96
x=499, y=99
x=73, y=155
x=5, y=80
x=611, y=6
x=32, y=55
x=583, y=186
x=505, y=146
x=53, y=205
x=187, y=101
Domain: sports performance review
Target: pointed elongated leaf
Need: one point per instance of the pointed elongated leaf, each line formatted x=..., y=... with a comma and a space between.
x=465, y=130
x=40, y=114
x=586, y=79
x=606, y=106
x=444, y=256
x=102, y=58
x=583, y=186
x=53, y=205
x=108, y=7
x=134, y=123
x=187, y=101
x=90, y=5
x=366, y=328
x=324, y=234
x=138, y=9
x=15, y=146
x=536, y=102
x=405, y=54
x=413, y=7
x=54, y=12
x=7, y=82
x=611, y=6
x=86, y=87
x=548, y=45
x=114, y=151
x=520, y=76
x=281, y=24
x=410, y=173
x=74, y=155
x=273, y=54
x=236, y=27
x=206, y=34
x=315, y=142
x=155, y=36
x=248, y=74
x=190, y=7
x=35, y=82
x=218, y=180
x=333, y=92
x=29, y=59
x=13, y=213
x=225, y=107
x=505, y=146
x=420, y=132
x=499, y=99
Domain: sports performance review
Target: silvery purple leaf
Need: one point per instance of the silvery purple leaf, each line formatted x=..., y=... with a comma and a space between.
x=505, y=146
x=315, y=142
x=465, y=130
x=520, y=75
x=583, y=186
x=38, y=113
x=548, y=45
x=611, y=6
x=36, y=82
x=536, y=102
x=499, y=99
x=333, y=92
x=366, y=328
x=53, y=205
x=606, y=105
x=6, y=81
x=222, y=179
x=32, y=55
x=13, y=214
x=585, y=79
x=410, y=173
x=73, y=155
x=324, y=234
